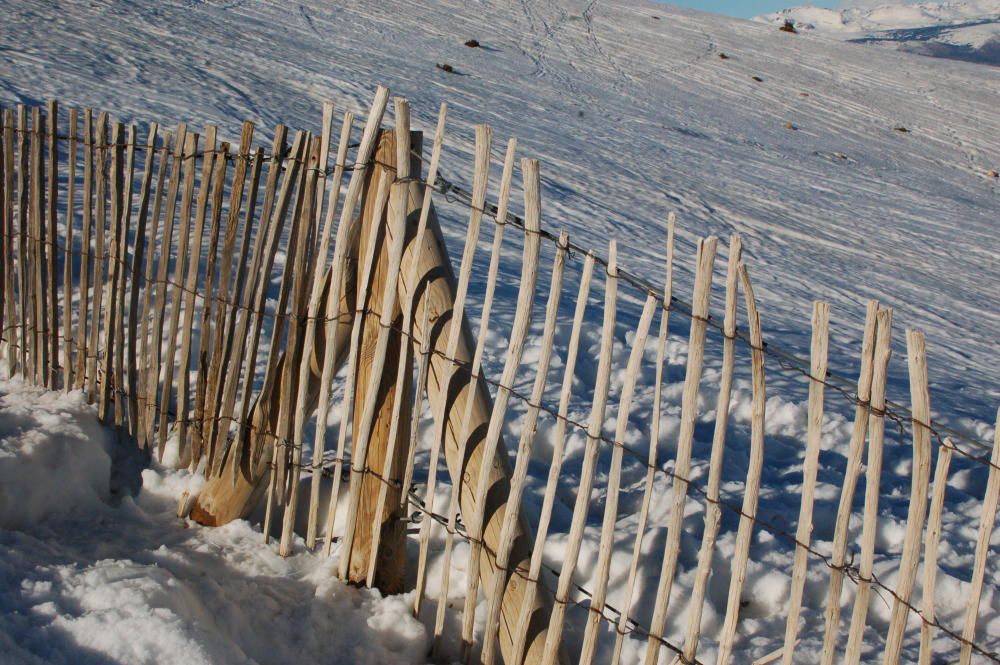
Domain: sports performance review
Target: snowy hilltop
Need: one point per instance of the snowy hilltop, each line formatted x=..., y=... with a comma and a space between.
x=966, y=30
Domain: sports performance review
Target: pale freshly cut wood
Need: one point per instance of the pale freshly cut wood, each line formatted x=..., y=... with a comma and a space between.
x=751, y=488
x=68, y=253
x=403, y=368
x=524, y=448
x=599, y=585
x=484, y=138
x=555, y=466
x=52, y=217
x=987, y=520
x=932, y=542
x=810, y=468
x=713, y=511
x=210, y=162
x=86, y=252
x=876, y=430
x=147, y=293
x=474, y=378
x=920, y=406
x=319, y=442
x=167, y=355
x=855, y=452
x=553, y=640
x=682, y=466
x=137, y=318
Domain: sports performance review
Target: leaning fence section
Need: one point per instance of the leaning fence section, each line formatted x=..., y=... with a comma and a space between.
x=219, y=301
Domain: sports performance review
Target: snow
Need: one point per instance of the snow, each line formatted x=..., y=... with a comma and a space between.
x=964, y=30
x=632, y=116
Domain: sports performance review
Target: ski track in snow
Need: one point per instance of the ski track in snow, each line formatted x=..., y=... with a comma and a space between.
x=631, y=117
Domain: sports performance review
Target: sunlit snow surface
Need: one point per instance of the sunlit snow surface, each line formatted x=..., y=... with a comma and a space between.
x=633, y=113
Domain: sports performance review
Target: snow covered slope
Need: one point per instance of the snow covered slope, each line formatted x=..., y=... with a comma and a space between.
x=964, y=30
x=789, y=140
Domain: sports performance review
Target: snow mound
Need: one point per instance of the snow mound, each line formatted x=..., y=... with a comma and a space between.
x=967, y=30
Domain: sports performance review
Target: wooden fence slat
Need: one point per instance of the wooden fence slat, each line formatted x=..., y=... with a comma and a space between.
x=336, y=268
x=810, y=469
x=557, y=619
x=921, y=475
x=180, y=263
x=933, y=540
x=68, y=254
x=39, y=254
x=364, y=277
x=555, y=466
x=876, y=430
x=205, y=332
x=149, y=286
x=855, y=452
x=221, y=340
x=51, y=251
x=474, y=378
x=100, y=231
x=137, y=317
x=682, y=466
x=420, y=387
x=987, y=519
x=599, y=587
x=86, y=252
x=752, y=487
x=713, y=511
x=11, y=288
x=25, y=280
x=115, y=240
x=524, y=448
x=6, y=240
x=122, y=271
x=480, y=520
x=484, y=138
x=212, y=155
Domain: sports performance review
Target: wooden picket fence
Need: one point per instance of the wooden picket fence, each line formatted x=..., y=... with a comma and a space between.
x=141, y=268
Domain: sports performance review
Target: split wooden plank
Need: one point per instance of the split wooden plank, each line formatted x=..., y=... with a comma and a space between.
x=518, y=481
x=10, y=328
x=210, y=162
x=40, y=290
x=524, y=613
x=599, y=586
x=713, y=511
x=522, y=321
x=115, y=241
x=68, y=253
x=932, y=542
x=553, y=640
x=209, y=300
x=25, y=280
x=810, y=469
x=420, y=387
x=336, y=268
x=86, y=252
x=474, y=378
x=920, y=406
x=123, y=269
x=987, y=520
x=100, y=230
x=403, y=369
x=137, y=318
x=484, y=138
x=221, y=342
x=876, y=429
x=752, y=486
x=149, y=286
x=855, y=452
x=682, y=465
x=52, y=217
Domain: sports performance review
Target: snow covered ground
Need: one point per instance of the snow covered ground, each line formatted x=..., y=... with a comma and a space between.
x=634, y=111
x=964, y=30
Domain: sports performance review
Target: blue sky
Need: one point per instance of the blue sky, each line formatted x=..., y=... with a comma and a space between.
x=746, y=8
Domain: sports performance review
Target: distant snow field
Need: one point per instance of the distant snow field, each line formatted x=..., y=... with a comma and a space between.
x=850, y=173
